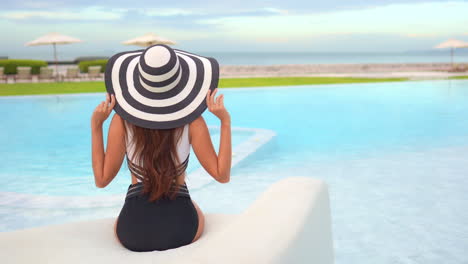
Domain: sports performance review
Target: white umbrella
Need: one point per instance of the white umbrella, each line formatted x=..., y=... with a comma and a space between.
x=148, y=40
x=452, y=44
x=54, y=39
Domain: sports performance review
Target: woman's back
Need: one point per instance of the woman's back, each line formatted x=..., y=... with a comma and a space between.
x=174, y=222
x=182, y=147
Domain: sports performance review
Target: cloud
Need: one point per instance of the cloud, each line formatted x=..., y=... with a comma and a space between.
x=276, y=10
x=211, y=6
x=166, y=12
x=421, y=35
x=88, y=14
x=175, y=16
x=240, y=25
x=160, y=12
x=38, y=4
x=431, y=19
x=203, y=13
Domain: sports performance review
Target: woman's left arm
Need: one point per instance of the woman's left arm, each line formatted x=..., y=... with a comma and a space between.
x=106, y=165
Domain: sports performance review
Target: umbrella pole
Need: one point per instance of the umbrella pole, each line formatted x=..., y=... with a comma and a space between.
x=56, y=62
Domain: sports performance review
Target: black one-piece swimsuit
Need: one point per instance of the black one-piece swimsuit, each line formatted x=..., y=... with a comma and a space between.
x=164, y=224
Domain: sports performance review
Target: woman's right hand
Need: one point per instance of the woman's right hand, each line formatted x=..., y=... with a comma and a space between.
x=216, y=106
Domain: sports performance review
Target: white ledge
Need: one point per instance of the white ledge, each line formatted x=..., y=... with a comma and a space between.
x=289, y=223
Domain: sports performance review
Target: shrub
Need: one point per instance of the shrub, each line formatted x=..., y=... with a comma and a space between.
x=11, y=64
x=89, y=58
x=85, y=64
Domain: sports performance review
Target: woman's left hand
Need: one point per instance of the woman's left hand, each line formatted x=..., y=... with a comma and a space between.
x=102, y=111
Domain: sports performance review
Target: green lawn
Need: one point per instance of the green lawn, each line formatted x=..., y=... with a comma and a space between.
x=280, y=81
x=90, y=87
x=459, y=77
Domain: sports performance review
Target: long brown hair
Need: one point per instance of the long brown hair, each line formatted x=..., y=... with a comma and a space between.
x=156, y=151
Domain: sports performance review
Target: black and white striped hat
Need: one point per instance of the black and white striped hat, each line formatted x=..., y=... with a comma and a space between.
x=160, y=87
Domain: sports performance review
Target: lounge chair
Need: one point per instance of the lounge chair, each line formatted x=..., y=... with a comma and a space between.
x=94, y=72
x=3, y=75
x=289, y=223
x=72, y=73
x=23, y=73
x=46, y=73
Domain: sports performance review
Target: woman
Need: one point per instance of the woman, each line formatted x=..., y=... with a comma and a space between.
x=158, y=95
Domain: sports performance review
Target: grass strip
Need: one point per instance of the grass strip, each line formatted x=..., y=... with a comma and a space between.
x=91, y=87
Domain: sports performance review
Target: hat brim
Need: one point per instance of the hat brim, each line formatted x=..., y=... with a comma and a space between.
x=142, y=105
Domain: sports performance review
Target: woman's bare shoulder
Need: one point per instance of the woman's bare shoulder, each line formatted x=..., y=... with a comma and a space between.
x=198, y=121
x=196, y=126
x=118, y=118
x=117, y=122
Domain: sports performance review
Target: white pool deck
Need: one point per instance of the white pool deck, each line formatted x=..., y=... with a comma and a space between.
x=289, y=223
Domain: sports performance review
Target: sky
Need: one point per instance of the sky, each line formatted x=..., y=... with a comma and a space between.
x=234, y=26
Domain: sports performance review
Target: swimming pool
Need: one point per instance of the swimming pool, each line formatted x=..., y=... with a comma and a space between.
x=393, y=154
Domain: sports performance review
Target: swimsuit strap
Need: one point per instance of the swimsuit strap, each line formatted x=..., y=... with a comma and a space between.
x=136, y=189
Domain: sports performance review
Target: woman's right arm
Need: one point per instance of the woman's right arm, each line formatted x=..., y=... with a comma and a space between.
x=218, y=166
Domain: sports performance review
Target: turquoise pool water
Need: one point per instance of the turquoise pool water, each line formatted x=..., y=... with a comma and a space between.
x=395, y=157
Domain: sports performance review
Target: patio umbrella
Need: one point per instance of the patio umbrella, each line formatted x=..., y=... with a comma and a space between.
x=148, y=40
x=452, y=44
x=53, y=39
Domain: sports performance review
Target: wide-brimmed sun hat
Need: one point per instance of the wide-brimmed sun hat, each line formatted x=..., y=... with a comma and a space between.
x=160, y=87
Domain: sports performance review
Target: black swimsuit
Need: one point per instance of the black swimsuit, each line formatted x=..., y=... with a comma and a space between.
x=164, y=224
x=146, y=226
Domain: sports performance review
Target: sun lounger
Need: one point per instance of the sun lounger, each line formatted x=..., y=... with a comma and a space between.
x=289, y=223
x=23, y=73
x=46, y=73
x=94, y=72
x=3, y=75
x=72, y=73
